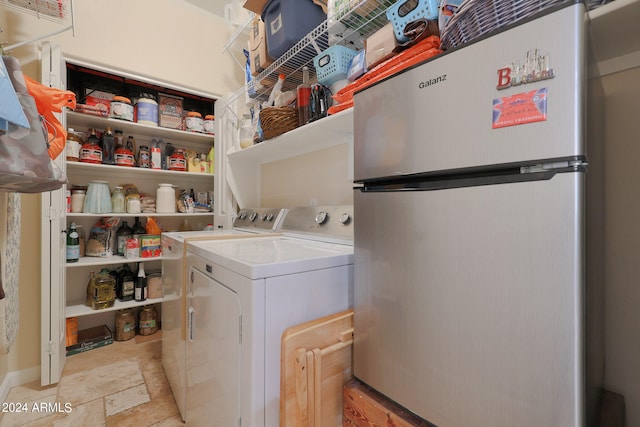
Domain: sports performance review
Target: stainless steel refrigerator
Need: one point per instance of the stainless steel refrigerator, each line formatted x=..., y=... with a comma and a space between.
x=478, y=245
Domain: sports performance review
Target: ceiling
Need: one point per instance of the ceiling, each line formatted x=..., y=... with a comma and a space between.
x=213, y=6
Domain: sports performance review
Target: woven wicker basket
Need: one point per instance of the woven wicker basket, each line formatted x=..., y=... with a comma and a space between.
x=475, y=18
x=277, y=120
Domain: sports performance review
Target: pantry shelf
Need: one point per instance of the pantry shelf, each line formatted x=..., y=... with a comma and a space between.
x=143, y=214
x=88, y=261
x=78, y=309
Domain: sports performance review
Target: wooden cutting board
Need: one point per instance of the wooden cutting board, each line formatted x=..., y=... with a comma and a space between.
x=316, y=363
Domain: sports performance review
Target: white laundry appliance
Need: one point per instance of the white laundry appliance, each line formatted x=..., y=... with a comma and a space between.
x=248, y=223
x=242, y=295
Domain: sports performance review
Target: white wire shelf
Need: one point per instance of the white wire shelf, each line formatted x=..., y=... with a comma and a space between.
x=351, y=23
x=53, y=10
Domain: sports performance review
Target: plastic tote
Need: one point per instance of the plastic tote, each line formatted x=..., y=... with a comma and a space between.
x=288, y=21
x=333, y=64
x=405, y=11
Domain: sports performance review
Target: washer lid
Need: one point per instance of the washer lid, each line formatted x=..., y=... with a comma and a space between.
x=258, y=258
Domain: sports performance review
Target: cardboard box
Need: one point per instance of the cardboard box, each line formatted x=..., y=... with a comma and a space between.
x=99, y=102
x=91, y=338
x=255, y=6
x=150, y=246
x=258, y=55
x=380, y=46
x=170, y=111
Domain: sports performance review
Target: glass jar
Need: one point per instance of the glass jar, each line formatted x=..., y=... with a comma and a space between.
x=148, y=323
x=73, y=145
x=121, y=108
x=144, y=157
x=209, y=124
x=133, y=204
x=98, y=198
x=246, y=132
x=177, y=162
x=165, y=199
x=125, y=325
x=77, y=199
x=117, y=200
x=194, y=122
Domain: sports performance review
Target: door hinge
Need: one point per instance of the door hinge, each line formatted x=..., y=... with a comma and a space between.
x=52, y=348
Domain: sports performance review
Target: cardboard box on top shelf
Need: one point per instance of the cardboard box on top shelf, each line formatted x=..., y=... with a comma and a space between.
x=257, y=6
x=258, y=55
x=170, y=111
x=380, y=46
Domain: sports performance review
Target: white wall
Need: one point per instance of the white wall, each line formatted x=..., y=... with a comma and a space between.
x=166, y=40
x=622, y=250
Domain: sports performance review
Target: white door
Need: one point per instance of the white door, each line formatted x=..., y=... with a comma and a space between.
x=213, y=352
x=53, y=298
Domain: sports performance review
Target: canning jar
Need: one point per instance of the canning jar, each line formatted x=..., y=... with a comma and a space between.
x=148, y=323
x=77, y=199
x=121, y=108
x=117, y=200
x=73, y=145
x=125, y=325
x=133, y=203
x=194, y=122
x=209, y=124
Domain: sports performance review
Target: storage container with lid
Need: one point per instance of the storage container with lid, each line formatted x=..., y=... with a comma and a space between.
x=165, y=199
x=194, y=122
x=288, y=21
x=146, y=111
x=209, y=124
x=121, y=108
x=125, y=325
x=74, y=143
x=148, y=323
x=98, y=198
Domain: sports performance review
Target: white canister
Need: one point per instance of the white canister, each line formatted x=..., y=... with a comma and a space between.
x=194, y=122
x=165, y=199
x=147, y=110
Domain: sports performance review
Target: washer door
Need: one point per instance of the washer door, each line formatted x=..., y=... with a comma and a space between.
x=213, y=352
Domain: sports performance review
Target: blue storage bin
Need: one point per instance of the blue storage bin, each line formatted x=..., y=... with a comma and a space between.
x=288, y=21
x=333, y=64
x=405, y=11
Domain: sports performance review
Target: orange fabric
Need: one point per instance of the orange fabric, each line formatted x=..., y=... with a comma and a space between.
x=415, y=54
x=48, y=101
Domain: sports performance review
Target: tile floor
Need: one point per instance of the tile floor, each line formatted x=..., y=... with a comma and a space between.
x=122, y=384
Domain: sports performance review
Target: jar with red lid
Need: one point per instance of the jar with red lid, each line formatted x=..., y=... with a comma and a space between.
x=194, y=122
x=177, y=161
x=121, y=108
x=209, y=124
x=90, y=152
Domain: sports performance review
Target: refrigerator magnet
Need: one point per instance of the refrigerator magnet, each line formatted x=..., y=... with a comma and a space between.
x=519, y=109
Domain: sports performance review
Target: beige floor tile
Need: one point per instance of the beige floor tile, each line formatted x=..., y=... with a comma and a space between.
x=100, y=381
x=26, y=412
x=88, y=414
x=169, y=422
x=146, y=414
x=30, y=392
x=126, y=399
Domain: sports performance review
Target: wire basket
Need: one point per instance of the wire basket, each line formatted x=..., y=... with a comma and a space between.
x=333, y=64
x=275, y=121
x=475, y=18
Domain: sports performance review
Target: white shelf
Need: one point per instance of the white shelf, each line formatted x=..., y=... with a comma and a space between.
x=123, y=171
x=143, y=214
x=79, y=309
x=616, y=35
x=177, y=137
x=314, y=136
x=89, y=261
x=244, y=165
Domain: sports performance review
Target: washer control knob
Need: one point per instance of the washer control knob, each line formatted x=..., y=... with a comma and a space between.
x=270, y=217
x=321, y=217
x=253, y=216
x=242, y=215
x=345, y=218
x=264, y=217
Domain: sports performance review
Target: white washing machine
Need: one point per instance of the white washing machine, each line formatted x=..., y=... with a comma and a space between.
x=243, y=294
x=248, y=223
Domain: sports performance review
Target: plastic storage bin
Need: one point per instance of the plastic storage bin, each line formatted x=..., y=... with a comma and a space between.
x=405, y=11
x=333, y=64
x=288, y=21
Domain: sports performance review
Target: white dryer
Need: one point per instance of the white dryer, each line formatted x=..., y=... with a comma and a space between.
x=244, y=293
x=248, y=223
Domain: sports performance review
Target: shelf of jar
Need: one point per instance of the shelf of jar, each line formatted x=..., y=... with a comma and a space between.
x=78, y=309
x=135, y=171
x=88, y=261
x=143, y=214
x=81, y=121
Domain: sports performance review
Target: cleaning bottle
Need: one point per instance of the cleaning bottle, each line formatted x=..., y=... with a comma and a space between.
x=303, y=97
